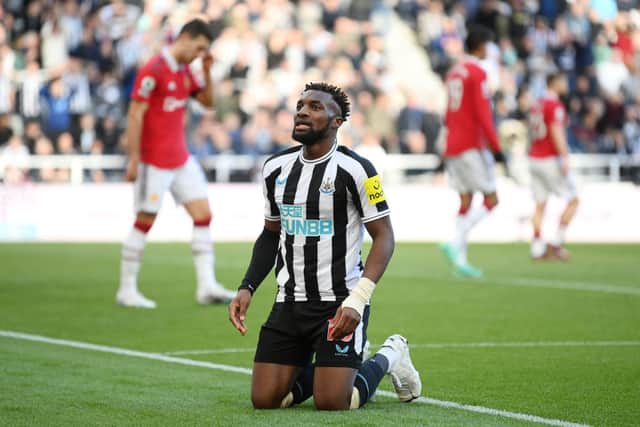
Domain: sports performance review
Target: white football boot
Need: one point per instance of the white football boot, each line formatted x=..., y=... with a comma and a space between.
x=216, y=294
x=134, y=298
x=404, y=376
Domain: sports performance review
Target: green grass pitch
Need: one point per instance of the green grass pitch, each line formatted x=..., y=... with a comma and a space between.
x=572, y=334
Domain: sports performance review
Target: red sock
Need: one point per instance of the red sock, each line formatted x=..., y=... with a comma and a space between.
x=202, y=222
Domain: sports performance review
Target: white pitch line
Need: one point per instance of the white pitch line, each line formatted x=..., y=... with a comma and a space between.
x=229, y=368
x=523, y=344
x=210, y=351
x=532, y=282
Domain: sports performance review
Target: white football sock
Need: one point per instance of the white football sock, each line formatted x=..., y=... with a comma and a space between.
x=391, y=355
x=560, y=235
x=464, y=224
x=462, y=253
x=203, y=257
x=132, y=249
x=475, y=215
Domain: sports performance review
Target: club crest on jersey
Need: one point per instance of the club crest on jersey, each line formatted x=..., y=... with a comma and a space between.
x=373, y=188
x=171, y=85
x=281, y=181
x=327, y=187
x=146, y=86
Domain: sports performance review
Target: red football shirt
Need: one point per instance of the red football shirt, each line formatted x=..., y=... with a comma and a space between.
x=165, y=85
x=469, y=120
x=548, y=111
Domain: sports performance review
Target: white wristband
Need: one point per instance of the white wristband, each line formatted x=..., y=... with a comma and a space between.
x=360, y=295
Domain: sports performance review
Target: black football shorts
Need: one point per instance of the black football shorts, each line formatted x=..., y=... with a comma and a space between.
x=295, y=331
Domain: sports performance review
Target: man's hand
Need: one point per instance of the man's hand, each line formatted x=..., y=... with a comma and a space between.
x=132, y=169
x=498, y=156
x=207, y=62
x=344, y=323
x=238, y=310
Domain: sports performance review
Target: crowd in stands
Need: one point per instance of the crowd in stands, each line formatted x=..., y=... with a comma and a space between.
x=67, y=67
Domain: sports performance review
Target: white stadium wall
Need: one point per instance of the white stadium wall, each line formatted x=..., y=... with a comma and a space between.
x=610, y=212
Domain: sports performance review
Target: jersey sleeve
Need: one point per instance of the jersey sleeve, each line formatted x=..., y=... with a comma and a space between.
x=483, y=108
x=271, y=210
x=145, y=83
x=558, y=115
x=372, y=198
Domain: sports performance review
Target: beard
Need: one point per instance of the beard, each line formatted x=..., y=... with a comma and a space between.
x=312, y=136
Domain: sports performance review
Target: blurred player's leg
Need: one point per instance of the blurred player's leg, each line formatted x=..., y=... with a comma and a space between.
x=558, y=243
x=538, y=247
x=150, y=186
x=469, y=172
x=190, y=189
x=208, y=288
x=132, y=250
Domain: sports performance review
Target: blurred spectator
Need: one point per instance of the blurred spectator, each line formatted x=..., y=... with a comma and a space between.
x=57, y=103
x=64, y=144
x=46, y=173
x=54, y=44
x=6, y=132
x=371, y=148
x=14, y=157
x=30, y=82
x=108, y=133
x=32, y=131
x=87, y=136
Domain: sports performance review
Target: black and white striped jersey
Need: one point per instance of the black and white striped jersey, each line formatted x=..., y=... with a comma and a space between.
x=322, y=206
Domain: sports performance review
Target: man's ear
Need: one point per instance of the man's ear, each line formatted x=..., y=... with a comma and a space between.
x=337, y=122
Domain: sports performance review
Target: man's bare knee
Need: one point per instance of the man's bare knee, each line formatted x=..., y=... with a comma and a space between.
x=265, y=401
x=198, y=209
x=325, y=402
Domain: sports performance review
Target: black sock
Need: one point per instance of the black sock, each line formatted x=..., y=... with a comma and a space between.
x=369, y=376
x=303, y=386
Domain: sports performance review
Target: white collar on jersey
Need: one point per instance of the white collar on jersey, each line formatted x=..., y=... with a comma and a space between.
x=319, y=159
x=170, y=60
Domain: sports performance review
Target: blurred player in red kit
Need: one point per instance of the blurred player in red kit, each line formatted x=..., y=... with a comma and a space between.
x=549, y=165
x=472, y=146
x=159, y=160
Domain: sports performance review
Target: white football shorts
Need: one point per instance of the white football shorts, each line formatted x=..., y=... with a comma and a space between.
x=547, y=179
x=185, y=183
x=471, y=171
